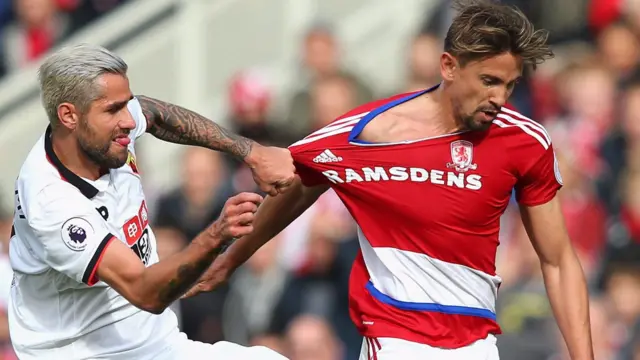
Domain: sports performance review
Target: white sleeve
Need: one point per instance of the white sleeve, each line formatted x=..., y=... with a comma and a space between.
x=141, y=122
x=73, y=234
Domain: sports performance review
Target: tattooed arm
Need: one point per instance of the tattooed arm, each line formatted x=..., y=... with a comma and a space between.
x=178, y=125
x=156, y=287
x=272, y=168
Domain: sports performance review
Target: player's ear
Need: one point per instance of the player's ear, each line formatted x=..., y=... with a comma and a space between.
x=68, y=116
x=448, y=66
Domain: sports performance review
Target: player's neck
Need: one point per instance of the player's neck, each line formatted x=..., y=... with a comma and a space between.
x=69, y=153
x=442, y=116
x=432, y=113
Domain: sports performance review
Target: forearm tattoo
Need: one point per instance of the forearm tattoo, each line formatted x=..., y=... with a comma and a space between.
x=186, y=275
x=178, y=125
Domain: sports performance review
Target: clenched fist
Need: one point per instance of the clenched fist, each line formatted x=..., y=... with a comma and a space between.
x=236, y=219
x=272, y=168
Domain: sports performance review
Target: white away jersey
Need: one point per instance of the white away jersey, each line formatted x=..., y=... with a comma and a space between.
x=62, y=225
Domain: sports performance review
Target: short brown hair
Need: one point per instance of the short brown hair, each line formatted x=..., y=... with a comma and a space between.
x=484, y=28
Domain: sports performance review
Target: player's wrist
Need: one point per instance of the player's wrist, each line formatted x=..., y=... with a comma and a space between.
x=253, y=157
x=212, y=238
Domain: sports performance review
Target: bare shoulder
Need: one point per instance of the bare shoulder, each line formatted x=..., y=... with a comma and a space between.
x=380, y=128
x=393, y=126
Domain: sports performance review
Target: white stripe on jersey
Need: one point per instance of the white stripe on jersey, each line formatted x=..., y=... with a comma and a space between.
x=419, y=279
x=349, y=118
x=332, y=127
x=512, y=122
x=532, y=122
x=322, y=136
x=337, y=127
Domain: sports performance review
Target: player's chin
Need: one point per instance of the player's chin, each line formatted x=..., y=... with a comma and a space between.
x=480, y=124
x=118, y=162
x=117, y=156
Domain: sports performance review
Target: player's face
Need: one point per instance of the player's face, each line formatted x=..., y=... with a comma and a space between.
x=103, y=131
x=480, y=88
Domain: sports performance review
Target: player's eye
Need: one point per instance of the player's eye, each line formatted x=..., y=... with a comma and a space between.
x=490, y=81
x=512, y=84
x=114, y=109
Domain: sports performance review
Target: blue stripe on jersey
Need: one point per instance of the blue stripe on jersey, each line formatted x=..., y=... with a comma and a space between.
x=445, y=309
x=357, y=129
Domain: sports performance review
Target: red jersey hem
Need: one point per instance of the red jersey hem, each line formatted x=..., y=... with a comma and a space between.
x=385, y=330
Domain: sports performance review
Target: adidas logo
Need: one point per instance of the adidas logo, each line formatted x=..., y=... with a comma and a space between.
x=326, y=157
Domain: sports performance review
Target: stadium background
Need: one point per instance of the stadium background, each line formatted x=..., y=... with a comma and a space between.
x=276, y=70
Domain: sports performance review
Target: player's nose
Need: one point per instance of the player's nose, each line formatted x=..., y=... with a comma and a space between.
x=127, y=122
x=499, y=98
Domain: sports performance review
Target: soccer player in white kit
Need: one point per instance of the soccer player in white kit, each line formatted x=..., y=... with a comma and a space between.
x=88, y=283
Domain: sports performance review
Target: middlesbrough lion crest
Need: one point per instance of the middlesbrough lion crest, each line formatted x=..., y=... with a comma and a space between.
x=462, y=156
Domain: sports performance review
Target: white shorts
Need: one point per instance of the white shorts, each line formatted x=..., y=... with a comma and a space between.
x=183, y=348
x=392, y=349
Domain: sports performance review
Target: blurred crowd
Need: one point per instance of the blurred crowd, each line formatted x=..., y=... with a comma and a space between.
x=292, y=295
x=29, y=28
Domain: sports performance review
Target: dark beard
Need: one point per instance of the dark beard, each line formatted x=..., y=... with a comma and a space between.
x=470, y=124
x=99, y=154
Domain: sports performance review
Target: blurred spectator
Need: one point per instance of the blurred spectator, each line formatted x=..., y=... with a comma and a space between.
x=295, y=238
x=245, y=317
x=623, y=288
x=605, y=345
x=628, y=10
x=272, y=342
x=201, y=196
x=586, y=91
x=424, y=64
x=38, y=28
x=331, y=97
x=619, y=50
x=603, y=12
x=30, y=28
x=321, y=59
x=320, y=285
x=6, y=13
x=314, y=288
x=585, y=217
x=82, y=12
x=250, y=98
x=311, y=338
x=619, y=147
x=170, y=241
x=188, y=210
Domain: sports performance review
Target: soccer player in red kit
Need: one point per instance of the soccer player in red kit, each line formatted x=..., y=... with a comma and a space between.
x=427, y=176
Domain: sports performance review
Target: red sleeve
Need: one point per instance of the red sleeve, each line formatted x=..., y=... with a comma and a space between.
x=540, y=180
